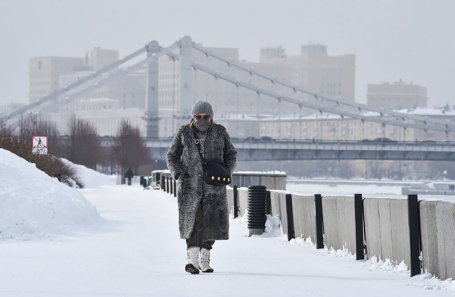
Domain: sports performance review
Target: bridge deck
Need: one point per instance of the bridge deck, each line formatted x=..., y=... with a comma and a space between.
x=335, y=150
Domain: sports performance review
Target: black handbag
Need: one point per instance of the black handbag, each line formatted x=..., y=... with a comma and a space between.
x=216, y=172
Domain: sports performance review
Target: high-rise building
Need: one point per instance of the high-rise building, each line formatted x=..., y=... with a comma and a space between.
x=397, y=95
x=100, y=58
x=330, y=75
x=45, y=73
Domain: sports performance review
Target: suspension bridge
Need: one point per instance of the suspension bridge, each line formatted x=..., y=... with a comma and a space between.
x=344, y=108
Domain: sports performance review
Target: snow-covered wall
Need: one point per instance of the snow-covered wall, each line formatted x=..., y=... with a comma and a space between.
x=339, y=222
x=387, y=229
x=437, y=220
x=304, y=216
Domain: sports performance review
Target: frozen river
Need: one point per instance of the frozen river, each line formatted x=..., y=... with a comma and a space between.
x=368, y=188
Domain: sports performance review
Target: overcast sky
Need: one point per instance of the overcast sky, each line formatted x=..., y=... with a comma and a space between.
x=409, y=39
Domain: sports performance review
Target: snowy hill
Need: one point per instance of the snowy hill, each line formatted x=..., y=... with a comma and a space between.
x=33, y=205
x=91, y=178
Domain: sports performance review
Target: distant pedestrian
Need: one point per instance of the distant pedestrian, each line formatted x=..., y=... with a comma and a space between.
x=129, y=175
x=203, y=208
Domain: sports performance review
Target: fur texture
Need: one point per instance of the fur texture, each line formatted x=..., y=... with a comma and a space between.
x=184, y=162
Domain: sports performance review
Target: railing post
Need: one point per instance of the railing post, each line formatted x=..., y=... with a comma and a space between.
x=167, y=184
x=268, y=205
x=171, y=181
x=236, y=204
x=163, y=187
x=290, y=216
x=175, y=188
x=414, y=233
x=319, y=221
x=358, y=209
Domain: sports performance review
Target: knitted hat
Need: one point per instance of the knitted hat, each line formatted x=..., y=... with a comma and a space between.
x=202, y=107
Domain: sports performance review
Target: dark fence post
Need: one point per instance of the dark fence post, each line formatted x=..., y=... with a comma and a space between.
x=358, y=209
x=167, y=184
x=175, y=188
x=319, y=221
x=414, y=233
x=162, y=182
x=236, y=204
x=290, y=216
x=172, y=185
x=268, y=204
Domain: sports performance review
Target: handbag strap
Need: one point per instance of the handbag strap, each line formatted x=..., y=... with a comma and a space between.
x=199, y=149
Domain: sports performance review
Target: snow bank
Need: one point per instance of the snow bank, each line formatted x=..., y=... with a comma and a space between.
x=33, y=205
x=91, y=178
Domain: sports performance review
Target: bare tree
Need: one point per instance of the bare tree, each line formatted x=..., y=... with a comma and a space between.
x=129, y=149
x=83, y=145
x=5, y=130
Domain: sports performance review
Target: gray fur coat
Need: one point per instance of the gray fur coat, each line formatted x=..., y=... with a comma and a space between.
x=184, y=162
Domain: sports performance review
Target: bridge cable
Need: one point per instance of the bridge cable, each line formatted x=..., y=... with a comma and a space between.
x=115, y=76
x=67, y=88
x=317, y=94
x=313, y=106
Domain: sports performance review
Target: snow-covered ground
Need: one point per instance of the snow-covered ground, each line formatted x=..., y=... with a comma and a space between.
x=136, y=251
x=91, y=178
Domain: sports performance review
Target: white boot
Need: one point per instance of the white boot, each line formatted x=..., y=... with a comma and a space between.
x=193, y=257
x=205, y=260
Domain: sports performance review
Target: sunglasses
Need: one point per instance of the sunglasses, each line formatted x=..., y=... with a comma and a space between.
x=206, y=117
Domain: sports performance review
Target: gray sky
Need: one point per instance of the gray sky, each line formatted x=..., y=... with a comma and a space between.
x=392, y=39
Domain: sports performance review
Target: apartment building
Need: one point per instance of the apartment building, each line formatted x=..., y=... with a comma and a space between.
x=45, y=74
x=398, y=95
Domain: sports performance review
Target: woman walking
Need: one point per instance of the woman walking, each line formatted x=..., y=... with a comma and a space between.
x=203, y=208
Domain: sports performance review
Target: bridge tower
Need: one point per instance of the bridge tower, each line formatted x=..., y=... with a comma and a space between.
x=185, y=92
x=151, y=103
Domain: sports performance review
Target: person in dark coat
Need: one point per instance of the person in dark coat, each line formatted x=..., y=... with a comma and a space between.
x=203, y=208
x=129, y=175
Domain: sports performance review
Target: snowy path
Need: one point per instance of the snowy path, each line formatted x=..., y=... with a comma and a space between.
x=139, y=253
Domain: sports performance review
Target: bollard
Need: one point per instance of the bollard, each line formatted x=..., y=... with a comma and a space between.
x=141, y=180
x=358, y=209
x=414, y=233
x=175, y=188
x=236, y=202
x=268, y=205
x=256, y=209
x=319, y=221
x=290, y=216
x=171, y=181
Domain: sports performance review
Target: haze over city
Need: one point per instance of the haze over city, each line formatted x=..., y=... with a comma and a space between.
x=313, y=140
x=391, y=40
